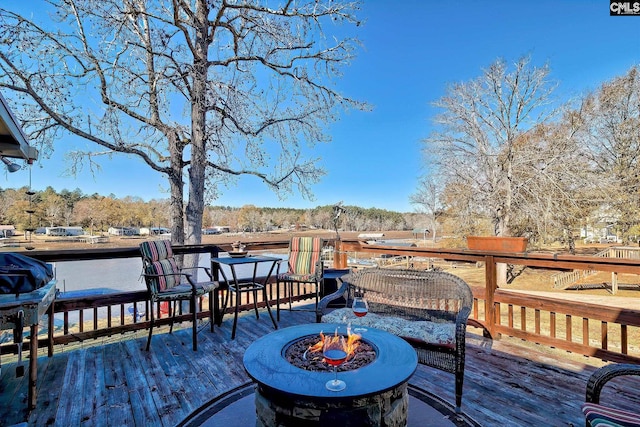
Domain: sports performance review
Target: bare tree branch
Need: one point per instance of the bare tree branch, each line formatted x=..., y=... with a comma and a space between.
x=199, y=90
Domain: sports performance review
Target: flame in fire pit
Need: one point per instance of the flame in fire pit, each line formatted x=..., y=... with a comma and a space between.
x=350, y=344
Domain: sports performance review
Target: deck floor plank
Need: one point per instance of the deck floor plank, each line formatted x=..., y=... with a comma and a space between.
x=13, y=391
x=153, y=384
x=118, y=404
x=186, y=377
x=215, y=369
x=94, y=410
x=72, y=393
x=523, y=384
x=50, y=379
x=505, y=384
x=140, y=395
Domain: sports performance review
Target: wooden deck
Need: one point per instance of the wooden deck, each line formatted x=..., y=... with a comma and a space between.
x=118, y=383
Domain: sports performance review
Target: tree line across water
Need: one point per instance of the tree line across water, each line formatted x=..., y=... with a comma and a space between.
x=96, y=213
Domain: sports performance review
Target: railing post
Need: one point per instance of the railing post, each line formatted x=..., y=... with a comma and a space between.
x=339, y=256
x=491, y=280
x=212, y=265
x=214, y=268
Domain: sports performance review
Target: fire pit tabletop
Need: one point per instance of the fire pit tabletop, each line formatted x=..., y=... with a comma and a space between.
x=264, y=362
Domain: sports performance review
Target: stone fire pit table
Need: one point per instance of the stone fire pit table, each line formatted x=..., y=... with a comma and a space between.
x=376, y=394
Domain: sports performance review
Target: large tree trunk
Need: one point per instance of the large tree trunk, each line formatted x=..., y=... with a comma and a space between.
x=197, y=167
x=502, y=230
x=177, y=193
x=434, y=227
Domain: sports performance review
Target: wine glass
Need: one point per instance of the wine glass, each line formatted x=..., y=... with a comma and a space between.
x=360, y=308
x=334, y=352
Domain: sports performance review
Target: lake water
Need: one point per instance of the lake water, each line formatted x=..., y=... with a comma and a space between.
x=124, y=275
x=103, y=276
x=77, y=278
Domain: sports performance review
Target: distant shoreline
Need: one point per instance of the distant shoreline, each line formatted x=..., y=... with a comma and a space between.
x=43, y=243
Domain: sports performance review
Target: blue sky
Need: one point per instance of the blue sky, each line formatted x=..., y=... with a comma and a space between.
x=411, y=51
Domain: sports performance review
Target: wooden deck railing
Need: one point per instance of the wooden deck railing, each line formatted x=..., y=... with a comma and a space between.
x=109, y=314
x=589, y=329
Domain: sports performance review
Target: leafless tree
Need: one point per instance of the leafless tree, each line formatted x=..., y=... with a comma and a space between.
x=53, y=208
x=202, y=91
x=8, y=197
x=427, y=199
x=555, y=182
x=477, y=145
x=612, y=118
x=500, y=159
x=87, y=213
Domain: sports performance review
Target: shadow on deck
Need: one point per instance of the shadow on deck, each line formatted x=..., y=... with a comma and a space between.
x=118, y=383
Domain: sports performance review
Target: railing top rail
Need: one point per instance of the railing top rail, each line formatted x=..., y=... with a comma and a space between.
x=533, y=259
x=92, y=253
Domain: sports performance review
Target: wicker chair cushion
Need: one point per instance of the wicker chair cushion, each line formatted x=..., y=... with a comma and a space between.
x=602, y=416
x=437, y=333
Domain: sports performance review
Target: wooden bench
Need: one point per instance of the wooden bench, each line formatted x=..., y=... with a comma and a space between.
x=429, y=309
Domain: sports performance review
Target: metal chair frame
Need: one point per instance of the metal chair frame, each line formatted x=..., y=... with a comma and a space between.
x=180, y=291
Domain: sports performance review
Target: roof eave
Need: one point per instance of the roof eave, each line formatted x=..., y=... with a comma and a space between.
x=13, y=141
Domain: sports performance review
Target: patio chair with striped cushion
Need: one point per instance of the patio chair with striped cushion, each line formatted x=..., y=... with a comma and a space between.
x=166, y=282
x=304, y=268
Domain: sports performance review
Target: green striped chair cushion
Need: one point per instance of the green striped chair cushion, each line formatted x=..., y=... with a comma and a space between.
x=167, y=272
x=156, y=250
x=158, y=260
x=304, y=255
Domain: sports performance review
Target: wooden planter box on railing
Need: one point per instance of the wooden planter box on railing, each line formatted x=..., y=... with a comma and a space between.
x=497, y=243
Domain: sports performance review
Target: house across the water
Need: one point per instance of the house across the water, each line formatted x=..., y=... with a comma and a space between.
x=7, y=231
x=123, y=231
x=64, y=231
x=154, y=231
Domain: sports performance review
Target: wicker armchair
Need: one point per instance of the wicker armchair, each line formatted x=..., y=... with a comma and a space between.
x=600, y=415
x=429, y=309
